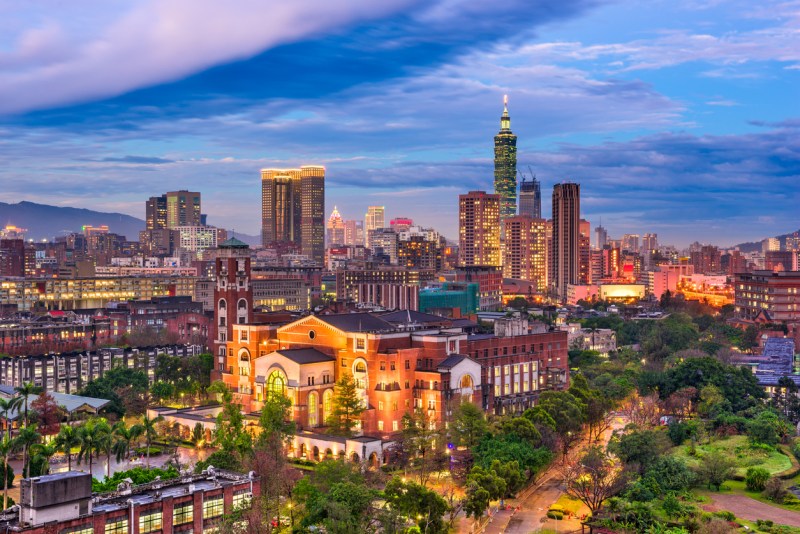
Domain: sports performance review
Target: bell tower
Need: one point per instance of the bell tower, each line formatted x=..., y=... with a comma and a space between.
x=233, y=299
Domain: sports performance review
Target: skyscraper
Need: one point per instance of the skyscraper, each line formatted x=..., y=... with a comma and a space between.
x=585, y=252
x=630, y=242
x=293, y=209
x=156, y=212
x=335, y=228
x=183, y=208
x=505, y=165
x=526, y=250
x=649, y=242
x=566, y=237
x=479, y=229
x=374, y=219
x=601, y=237
x=530, y=198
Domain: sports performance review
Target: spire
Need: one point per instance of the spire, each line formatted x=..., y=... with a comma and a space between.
x=505, y=120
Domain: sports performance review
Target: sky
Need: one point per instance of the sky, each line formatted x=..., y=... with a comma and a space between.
x=677, y=117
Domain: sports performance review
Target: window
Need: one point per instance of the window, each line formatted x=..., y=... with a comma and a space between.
x=407, y=384
x=395, y=426
x=310, y=380
x=313, y=402
x=213, y=507
x=380, y=405
x=495, y=351
x=327, y=403
x=117, y=526
x=392, y=366
x=497, y=371
x=394, y=405
x=344, y=362
x=82, y=529
x=408, y=364
x=497, y=390
x=506, y=370
x=507, y=388
x=183, y=513
x=276, y=383
x=431, y=404
x=383, y=366
x=360, y=343
x=380, y=426
x=241, y=499
x=150, y=522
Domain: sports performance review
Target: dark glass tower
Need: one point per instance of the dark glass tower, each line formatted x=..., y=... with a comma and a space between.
x=530, y=198
x=505, y=165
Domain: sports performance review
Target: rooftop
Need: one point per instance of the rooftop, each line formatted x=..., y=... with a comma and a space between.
x=357, y=322
x=304, y=356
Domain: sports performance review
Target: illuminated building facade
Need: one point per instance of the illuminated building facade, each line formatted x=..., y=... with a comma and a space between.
x=505, y=165
x=775, y=296
x=479, y=229
x=565, y=266
x=374, y=219
x=335, y=228
x=183, y=209
x=585, y=252
x=156, y=212
x=233, y=297
x=526, y=250
x=293, y=209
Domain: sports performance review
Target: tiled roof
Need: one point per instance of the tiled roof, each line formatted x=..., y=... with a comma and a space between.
x=357, y=322
x=304, y=356
x=451, y=361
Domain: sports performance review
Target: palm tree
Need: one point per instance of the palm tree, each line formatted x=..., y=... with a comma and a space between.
x=27, y=436
x=67, y=439
x=41, y=454
x=25, y=391
x=90, y=435
x=105, y=442
x=149, y=431
x=124, y=436
x=7, y=407
x=7, y=447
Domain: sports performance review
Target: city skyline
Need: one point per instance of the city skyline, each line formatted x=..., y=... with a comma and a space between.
x=691, y=143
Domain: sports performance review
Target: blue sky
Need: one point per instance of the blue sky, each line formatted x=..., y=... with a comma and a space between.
x=677, y=117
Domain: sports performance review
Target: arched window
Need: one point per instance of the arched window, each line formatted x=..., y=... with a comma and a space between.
x=222, y=304
x=242, y=305
x=276, y=383
x=244, y=363
x=466, y=382
x=327, y=403
x=360, y=367
x=313, y=407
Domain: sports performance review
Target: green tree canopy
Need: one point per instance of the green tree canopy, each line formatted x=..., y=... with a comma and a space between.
x=347, y=407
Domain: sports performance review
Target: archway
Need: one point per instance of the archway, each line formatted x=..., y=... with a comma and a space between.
x=303, y=451
x=315, y=450
x=328, y=453
x=373, y=460
x=342, y=455
x=355, y=458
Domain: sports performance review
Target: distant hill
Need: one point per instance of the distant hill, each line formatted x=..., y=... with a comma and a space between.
x=46, y=222
x=755, y=246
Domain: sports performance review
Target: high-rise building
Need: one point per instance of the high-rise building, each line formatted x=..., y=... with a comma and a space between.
x=600, y=236
x=585, y=253
x=479, y=229
x=183, y=209
x=530, y=198
x=793, y=242
x=401, y=224
x=354, y=233
x=630, y=242
x=526, y=250
x=156, y=212
x=565, y=268
x=374, y=219
x=770, y=244
x=505, y=165
x=335, y=228
x=650, y=242
x=293, y=209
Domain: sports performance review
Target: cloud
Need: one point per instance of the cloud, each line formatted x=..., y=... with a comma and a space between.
x=139, y=160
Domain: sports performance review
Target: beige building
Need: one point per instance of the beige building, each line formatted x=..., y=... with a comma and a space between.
x=479, y=229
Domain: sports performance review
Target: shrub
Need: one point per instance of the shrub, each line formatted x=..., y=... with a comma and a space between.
x=220, y=460
x=555, y=514
x=9, y=475
x=672, y=506
x=774, y=490
x=756, y=478
x=726, y=515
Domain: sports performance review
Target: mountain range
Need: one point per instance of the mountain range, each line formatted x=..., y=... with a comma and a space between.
x=47, y=222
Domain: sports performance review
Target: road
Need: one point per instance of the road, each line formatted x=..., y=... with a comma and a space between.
x=751, y=509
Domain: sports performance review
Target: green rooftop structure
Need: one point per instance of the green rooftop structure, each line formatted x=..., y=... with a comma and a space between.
x=450, y=295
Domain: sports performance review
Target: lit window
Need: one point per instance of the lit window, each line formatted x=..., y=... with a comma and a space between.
x=150, y=522
x=241, y=499
x=82, y=529
x=117, y=526
x=183, y=514
x=380, y=426
x=395, y=426
x=276, y=383
x=213, y=507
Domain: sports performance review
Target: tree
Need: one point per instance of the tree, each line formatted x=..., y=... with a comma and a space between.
x=124, y=387
x=421, y=439
x=276, y=417
x=714, y=469
x=347, y=407
x=567, y=412
x=162, y=391
x=642, y=411
x=785, y=399
x=7, y=448
x=26, y=437
x=766, y=428
x=39, y=464
x=756, y=478
x=90, y=436
x=593, y=478
x=124, y=436
x=229, y=433
x=48, y=414
x=639, y=449
x=418, y=503
x=483, y=485
x=25, y=391
x=749, y=339
x=149, y=432
x=66, y=440
x=468, y=425
x=8, y=406
x=523, y=428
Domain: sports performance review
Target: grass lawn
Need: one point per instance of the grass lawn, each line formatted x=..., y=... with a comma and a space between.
x=568, y=504
x=738, y=449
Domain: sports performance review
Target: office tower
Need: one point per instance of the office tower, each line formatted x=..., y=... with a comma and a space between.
x=566, y=237
x=183, y=208
x=530, y=198
x=793, y=242
x=630, y=242
x=706, y=260
x=293, y=209
x=650, y=242
x=585, y=246
x=156, y=212
x=770, y=243
x=526, y=250
x=505, y=165
x=335, y=228
x=354, y=233
x=374, y=219
x=479, y=229
x=384, y=243
x=601, y=237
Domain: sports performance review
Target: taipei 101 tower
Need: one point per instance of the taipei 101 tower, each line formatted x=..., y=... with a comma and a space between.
x=505, y=165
